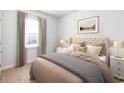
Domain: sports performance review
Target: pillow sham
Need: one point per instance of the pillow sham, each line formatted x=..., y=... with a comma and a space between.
x=103, y=50
x=94, y=49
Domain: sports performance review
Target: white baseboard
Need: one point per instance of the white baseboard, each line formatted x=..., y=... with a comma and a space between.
x=8, y=67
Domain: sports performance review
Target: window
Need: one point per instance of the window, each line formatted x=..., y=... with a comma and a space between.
x=31, y=31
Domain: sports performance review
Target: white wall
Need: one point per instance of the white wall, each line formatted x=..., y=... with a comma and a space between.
x=111, y=24
x=9, y=37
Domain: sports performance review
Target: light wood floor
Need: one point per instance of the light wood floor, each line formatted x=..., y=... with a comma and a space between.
x=21, y=75
x=16, y=75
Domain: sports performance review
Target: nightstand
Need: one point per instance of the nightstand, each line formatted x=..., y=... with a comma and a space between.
x=117, y=67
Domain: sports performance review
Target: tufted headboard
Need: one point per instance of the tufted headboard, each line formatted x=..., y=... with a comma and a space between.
x=103, y=41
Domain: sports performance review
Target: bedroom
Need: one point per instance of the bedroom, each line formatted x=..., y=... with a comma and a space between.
x=61, y=26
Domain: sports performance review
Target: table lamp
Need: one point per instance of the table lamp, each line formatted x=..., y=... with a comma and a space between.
x=118, y=44
x=64, y=42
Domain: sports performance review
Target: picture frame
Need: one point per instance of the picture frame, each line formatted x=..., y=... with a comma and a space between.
x=88, y=25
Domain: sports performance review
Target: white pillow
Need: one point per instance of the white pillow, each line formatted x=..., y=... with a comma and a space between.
x=61, y=50
x=75, y=47
x=94, y=49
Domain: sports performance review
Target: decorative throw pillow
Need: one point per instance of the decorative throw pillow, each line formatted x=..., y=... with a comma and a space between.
x=103, y=50
x=94, y=49
x=82, y=44
x=83, y=49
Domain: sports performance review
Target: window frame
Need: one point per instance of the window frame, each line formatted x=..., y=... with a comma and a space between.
x=29, y=17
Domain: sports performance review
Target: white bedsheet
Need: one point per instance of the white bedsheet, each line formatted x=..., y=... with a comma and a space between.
x=103, y=58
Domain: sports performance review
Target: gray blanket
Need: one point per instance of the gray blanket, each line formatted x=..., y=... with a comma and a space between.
x=87, y=71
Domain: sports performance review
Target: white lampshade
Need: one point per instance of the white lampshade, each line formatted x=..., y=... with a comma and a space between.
x=118, y=43
x=61, y=41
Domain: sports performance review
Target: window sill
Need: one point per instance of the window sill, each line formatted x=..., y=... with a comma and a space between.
x=28, y=47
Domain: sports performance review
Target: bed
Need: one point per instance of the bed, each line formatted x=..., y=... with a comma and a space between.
x=46, y=71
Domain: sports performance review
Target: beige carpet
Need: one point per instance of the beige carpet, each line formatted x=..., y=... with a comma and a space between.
x=17, y=75
x=21, y=75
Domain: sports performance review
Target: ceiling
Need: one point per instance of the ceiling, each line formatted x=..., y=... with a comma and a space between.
x=58, y=13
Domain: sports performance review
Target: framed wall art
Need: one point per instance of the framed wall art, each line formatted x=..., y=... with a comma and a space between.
x=88, y=25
